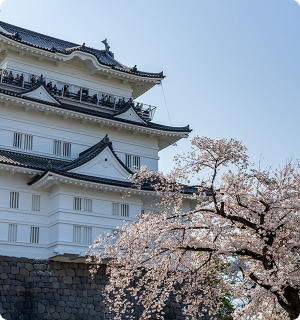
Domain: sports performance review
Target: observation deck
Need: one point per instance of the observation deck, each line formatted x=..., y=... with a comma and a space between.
x=19, y=81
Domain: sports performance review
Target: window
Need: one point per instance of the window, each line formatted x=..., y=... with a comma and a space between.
x=17, y=140
x=62, y=148
x=124, y=210
x=133, y=162
x=28, y=141
x=82, y=234
x=115, y=209
x=142, y=211
x=14, y=200
x=77, y=234
x=12, y=232
x=57, y=147
x=67, y=149
x=81, y=204
x=136, y=162
x=87, y=207
x=87, y=235
x=77, y=203
x=36, y=202
x=128, y=160
x=34, y=234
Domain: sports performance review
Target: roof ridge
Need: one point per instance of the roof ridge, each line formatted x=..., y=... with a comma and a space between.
x=37, y=33
x=50, y=43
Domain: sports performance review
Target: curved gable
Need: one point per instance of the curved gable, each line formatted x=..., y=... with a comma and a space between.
x=105, y=164
x=40, y=93
x=130, y=115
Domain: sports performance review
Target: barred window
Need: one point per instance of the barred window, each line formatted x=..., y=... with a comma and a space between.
x=17, y=143
x=62, y=148
x=133, y=162
x=128, y=160
x=136, y=162
x=36, y=202
x=12, y=232
x=28, y=141
x=87, y=206
x=67, y=149
x=124, y=210
x=115, y=209
x=14, y=200
x=77, y=203
x=57, y=147
x=77, y=234
x=87, y=235
x=82, y=234
x=34, y=234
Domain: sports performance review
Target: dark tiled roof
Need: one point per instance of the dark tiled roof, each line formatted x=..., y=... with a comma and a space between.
x=41, y=41
x=101, y=114
x=27, y=161
x=83, y=177
x=59, y=167
x=91, y=153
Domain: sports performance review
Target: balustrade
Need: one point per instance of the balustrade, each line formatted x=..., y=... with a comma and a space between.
x=100, y=99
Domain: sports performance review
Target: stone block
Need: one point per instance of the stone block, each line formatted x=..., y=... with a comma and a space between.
x=62, y=273
x=67, y=280
x=15, y=270
x=20, y=289
x=79, y=273
x=70, y=272
x=3, y=276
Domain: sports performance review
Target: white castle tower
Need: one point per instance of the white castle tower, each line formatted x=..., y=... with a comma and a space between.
x=70, y=132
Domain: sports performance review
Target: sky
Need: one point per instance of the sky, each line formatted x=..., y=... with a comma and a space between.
x=232, y=66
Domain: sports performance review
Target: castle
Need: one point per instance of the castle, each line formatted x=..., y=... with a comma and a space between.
x=71, y=130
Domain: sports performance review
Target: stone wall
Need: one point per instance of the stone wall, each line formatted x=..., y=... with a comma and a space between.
x=42, y=289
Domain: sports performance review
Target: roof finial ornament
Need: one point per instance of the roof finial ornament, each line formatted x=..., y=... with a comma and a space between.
x=107, y=47
x=106, y=139
x=133, y=69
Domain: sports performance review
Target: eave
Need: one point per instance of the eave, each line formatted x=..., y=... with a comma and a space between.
x=50, y=179
x=167, y=137
x=13, y=169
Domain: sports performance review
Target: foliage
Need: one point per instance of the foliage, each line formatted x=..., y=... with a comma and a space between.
x=240, y=213
x=226, y=309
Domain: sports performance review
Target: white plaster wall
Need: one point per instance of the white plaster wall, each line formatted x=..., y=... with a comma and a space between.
x=46, y=129
x=56, y=218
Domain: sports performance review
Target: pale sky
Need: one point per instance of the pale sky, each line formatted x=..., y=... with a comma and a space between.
x=232, y=66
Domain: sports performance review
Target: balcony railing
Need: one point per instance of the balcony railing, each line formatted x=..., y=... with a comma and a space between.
x=98, y=99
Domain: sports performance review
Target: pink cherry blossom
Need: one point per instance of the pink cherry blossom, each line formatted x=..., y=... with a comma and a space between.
x=237, y=231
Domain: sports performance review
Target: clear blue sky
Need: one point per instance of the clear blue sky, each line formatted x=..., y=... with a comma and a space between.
x=232, y=66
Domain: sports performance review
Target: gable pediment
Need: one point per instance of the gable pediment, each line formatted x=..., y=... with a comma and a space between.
x=104, y=165
x=40, y=93
x=130, y=115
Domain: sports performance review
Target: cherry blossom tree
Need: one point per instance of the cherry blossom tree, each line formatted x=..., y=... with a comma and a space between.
x=239, y=213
